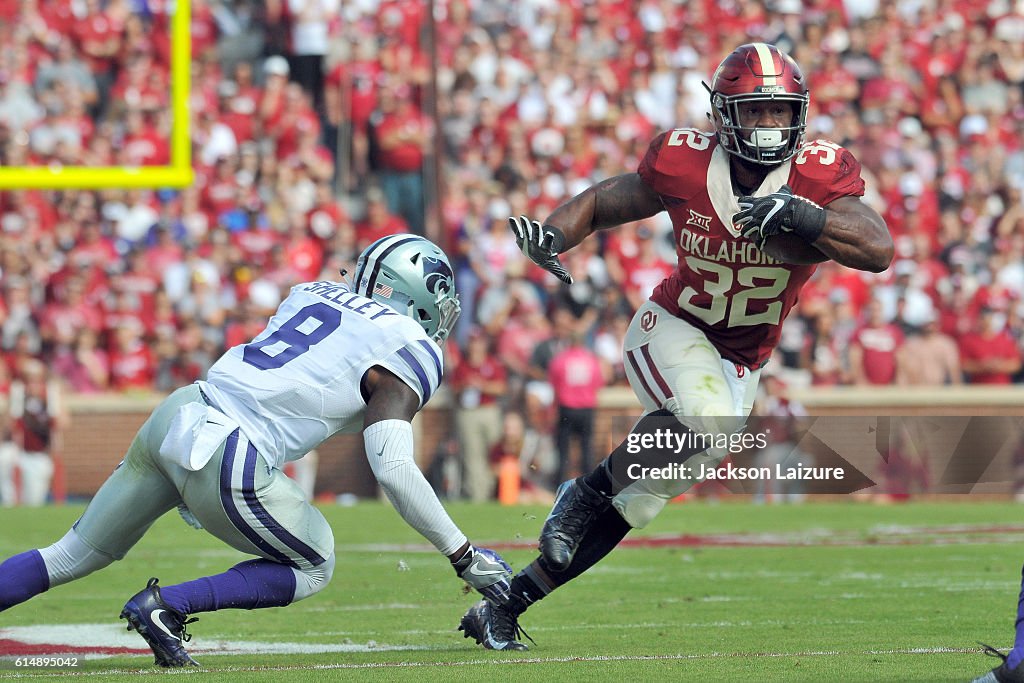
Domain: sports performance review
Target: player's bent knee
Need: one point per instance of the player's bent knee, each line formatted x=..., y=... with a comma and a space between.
x=311, y=581
x=706, y=417
x=70, y=558
x=639, y=509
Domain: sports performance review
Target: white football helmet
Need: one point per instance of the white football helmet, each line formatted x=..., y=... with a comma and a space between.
x=413, y=276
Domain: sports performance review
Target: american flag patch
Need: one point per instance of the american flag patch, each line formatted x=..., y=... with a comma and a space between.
x=383, y=290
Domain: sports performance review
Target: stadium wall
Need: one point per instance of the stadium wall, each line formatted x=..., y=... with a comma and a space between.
x=102, y=427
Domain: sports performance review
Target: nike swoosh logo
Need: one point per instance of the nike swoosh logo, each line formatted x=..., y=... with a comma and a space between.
x=475, y=572
x=154, y=616
x=779, y=203
x=380, y=453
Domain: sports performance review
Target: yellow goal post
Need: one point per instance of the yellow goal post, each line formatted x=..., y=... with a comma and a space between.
x=177, y=174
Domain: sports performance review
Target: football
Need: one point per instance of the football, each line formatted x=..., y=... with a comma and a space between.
x=790, y=248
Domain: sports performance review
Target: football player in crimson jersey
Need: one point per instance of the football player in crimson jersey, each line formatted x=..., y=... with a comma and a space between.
x=754, y=207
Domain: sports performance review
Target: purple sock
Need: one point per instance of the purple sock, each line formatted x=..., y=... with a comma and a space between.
x=249, y=585
x=22, y=577
x=1017, y=653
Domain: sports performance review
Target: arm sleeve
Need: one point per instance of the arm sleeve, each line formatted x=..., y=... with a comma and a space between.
x=389, y=447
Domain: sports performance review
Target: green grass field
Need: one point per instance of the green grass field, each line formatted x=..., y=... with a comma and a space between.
x=818, y=592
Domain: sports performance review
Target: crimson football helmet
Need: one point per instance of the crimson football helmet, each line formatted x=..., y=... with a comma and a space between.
x=758, y=71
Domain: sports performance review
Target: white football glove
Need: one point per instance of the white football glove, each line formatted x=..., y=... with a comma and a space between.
x=541, y=244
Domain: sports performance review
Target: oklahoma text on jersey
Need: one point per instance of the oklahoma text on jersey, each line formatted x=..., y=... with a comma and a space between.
x=723, y=284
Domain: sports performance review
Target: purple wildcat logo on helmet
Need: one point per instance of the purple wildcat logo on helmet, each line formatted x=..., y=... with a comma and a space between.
x=437, y=274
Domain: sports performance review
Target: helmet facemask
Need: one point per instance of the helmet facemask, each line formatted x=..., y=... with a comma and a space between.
x=767, y=146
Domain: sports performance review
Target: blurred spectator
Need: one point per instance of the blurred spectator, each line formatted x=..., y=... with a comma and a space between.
x=132, y=365
x=39, y=415
x=311, y=22
x=350, y=98
x=874, y=348
x=990, y=355
x=182, y=359
x=611, y=333
x=84, y=366
x=275, y=81
x=576, y=374
x=402, y=135
x=20, y=315
x=533, y=461
x=825, y=358
x=68, y=70
x=293, y=118
x=520, y=327
x=784, y=428
x=479, y=382
x=928, y=357
x=98, y=33
x=69, y=312
x=645, y=271
x=379, y=221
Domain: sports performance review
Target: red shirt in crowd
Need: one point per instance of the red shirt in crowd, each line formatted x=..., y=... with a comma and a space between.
x=65, y=319
x=404, y=156
x=361, y=77
x=256, y=244
x=490, y=370
x=324, y=219
x=976, y=346
x=879, y=345
x=643, y=275
x=368, y=232
x=146, y=147
x=305, y=256
x=94, y=33
x=132, y=367
x=576, y=376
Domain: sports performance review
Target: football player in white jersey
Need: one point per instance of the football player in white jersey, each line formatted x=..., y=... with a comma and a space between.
x=335, y=357
x=753, y=207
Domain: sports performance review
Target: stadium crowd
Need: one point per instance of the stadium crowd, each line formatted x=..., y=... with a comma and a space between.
x=312, y=140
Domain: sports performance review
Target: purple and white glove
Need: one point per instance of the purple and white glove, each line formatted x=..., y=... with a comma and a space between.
x=487, y=572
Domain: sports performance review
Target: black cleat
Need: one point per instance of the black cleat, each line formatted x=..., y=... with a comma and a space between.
x=496, y=627
x=576, y=506
x=162, y=627
x=1002, y=673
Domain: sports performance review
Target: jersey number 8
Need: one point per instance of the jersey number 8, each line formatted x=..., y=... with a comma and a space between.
x=294, y=337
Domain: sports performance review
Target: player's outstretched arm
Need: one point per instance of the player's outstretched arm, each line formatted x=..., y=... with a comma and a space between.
x=387, y=436
x=609, y=203
x=855, y=236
